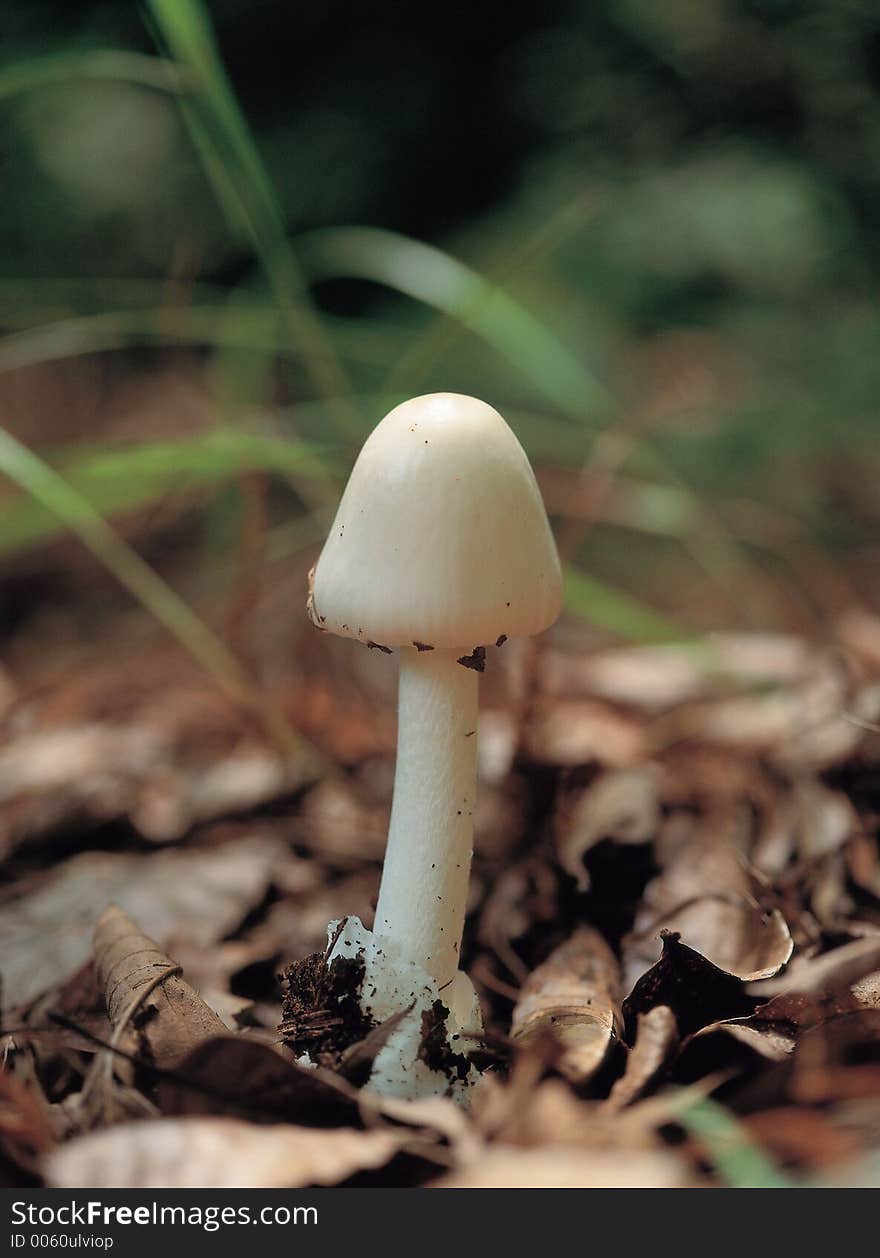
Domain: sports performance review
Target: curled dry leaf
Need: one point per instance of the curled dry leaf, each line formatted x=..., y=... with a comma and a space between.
x=812, y=993
x=572, y=1001
x=823, y=976
x=144, y=987
x=736, y=937
x=202, y=895
x=217, y=1153
x=521, y=895
x=825, y=819
x=770, y=1038
x=706, y=895
x=776, y=837
x=656, y=1039
x=696, y=991
x=620, y=805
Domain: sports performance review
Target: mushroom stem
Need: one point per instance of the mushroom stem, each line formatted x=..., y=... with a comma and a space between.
x=423, y=896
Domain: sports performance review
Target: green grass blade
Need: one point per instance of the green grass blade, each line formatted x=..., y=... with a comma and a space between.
x=616, y=612
x=256, y=328
x=99, y=63
x=114, y=481
x=52, y=491
x=223, y=140
x=431, y=276
x=439, y=340
x=737, y=1158
x=185, y=27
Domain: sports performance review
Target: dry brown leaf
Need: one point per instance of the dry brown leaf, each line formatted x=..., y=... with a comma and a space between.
x=573, y=732
x=705, y=895
x=797, y=725
x=696, y=991
x=758, y=659
x=8, y=691
x=334, y=709
x=740, y=792
x=654, y=679
x=620, y=805
x=649, y=678
x=859, y=632
x=825, y=818
x=656, y=1038
x=435, y=1115
x=341, y=825
x=144, y=987
x=26, y=1131
x=560, y=1166
x=531, y=1113
x=776, y=838
x=172, y=801
x=768, y=1038
x=155, y=1015
x=521, y=895
x=863, y=864
x=820, y=995
x=218, y=1153
x=824, y=885
x=200, y=895
x=837, y=1058
x=819, y=977
x=810, y=1140
x=572, y=1001
x=103, y=771
x=832, y=737
x=237, y=1076
x=737, y=937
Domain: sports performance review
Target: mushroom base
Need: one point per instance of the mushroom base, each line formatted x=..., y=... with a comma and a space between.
x=356, y=988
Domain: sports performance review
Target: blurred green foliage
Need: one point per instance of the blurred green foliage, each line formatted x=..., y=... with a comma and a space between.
x=657, y=220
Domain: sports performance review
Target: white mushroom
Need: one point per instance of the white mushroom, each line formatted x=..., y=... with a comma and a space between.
x=441, y=548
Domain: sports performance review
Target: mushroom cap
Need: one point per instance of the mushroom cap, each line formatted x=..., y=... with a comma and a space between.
x=441, y=538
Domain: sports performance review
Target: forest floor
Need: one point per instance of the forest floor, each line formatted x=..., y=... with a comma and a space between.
x=674, y=923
